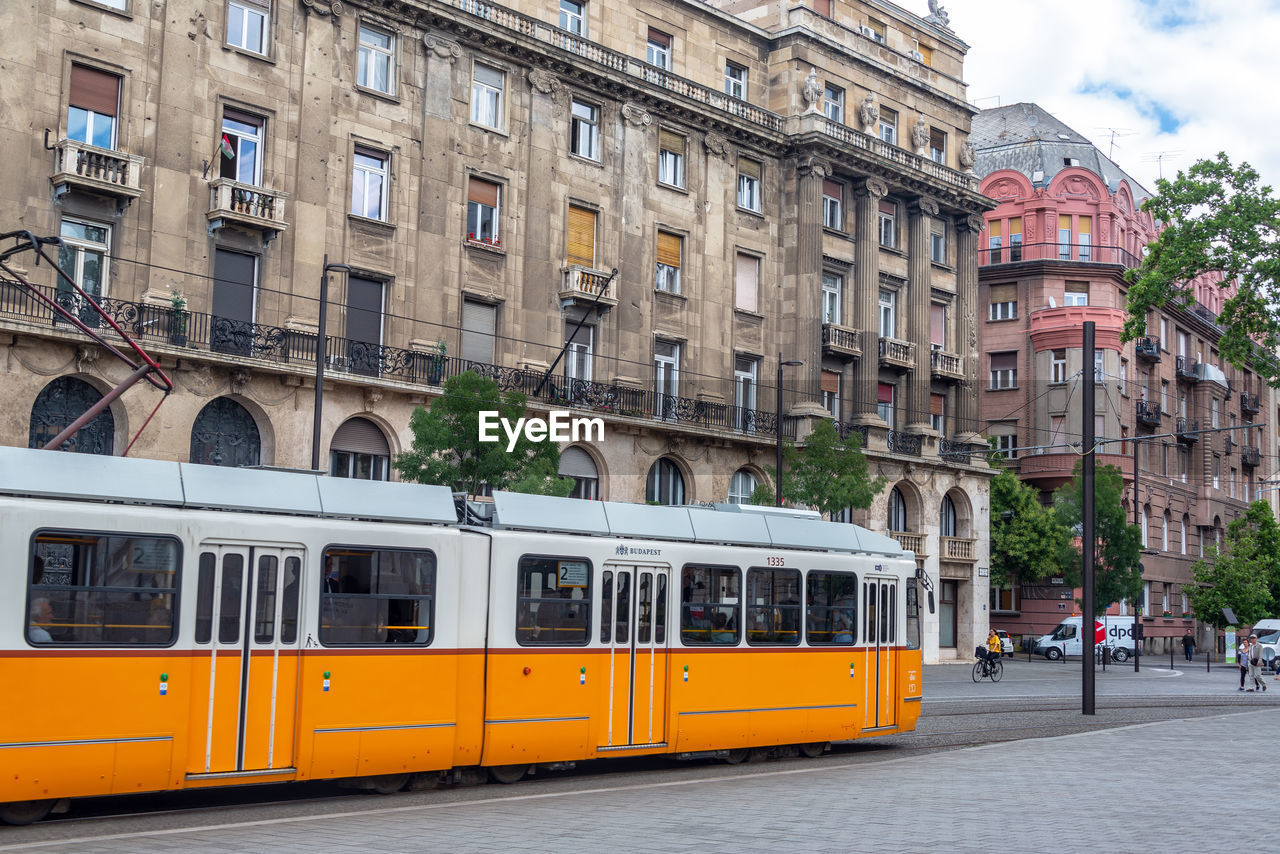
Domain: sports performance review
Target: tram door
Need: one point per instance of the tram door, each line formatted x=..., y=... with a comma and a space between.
x=248, y=652
x=880, y=634
x=633, y=624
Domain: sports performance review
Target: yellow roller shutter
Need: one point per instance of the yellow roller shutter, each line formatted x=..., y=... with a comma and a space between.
x=582, y=236
x=668, y=249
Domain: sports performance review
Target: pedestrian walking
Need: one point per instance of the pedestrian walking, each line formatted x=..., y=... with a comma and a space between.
x=1255, y=665
x=1189, y=645
x=1242, y=659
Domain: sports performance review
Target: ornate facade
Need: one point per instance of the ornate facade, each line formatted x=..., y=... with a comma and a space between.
x=684, y=193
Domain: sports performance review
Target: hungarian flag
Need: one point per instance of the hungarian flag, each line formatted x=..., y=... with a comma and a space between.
x=227, y=151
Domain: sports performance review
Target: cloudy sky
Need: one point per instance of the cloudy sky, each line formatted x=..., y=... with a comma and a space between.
x=1182, y=78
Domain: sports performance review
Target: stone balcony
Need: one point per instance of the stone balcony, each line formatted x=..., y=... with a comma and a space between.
x=841, y=342
x=100, y=171
x=244, y=206
x=897, y=354
x=946, y=366
x=910, y=541
x=958, y=548
x=586, y=287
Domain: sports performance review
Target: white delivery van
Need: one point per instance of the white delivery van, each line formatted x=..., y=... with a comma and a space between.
x=1066, y=639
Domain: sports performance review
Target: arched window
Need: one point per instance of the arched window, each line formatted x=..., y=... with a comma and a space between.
x=577, y=464
x=359, y=450
x=225, y=434
x=63, y=401
x=897, y=511
x=947, y=517
x=665, y=485
x=741, y=486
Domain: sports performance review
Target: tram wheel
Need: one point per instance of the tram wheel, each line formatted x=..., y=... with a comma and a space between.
x=388, y=784
x=813, y=749
x=507, y=774
x=25, y=812
x=737, y=756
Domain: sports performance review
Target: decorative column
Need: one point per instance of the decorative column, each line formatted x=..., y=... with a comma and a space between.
x=967, y=426
x=801, y=334
x=919, y=212
x=866, y=307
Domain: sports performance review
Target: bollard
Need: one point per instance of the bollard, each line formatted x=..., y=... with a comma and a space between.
x=1170, y=656
x=1207, y=659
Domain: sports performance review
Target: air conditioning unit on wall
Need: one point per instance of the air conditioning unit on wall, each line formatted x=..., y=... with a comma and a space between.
x=916, y=55
x=868, y=32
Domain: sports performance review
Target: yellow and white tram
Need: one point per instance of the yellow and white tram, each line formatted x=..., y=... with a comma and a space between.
x=170, y=626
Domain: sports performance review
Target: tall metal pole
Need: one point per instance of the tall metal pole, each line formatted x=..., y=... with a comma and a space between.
x=1137, y=602
x=1087, y=537
x=777, y=429
x=322, y=352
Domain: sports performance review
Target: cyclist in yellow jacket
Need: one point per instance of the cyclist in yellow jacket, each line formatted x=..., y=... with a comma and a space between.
x=995, y=648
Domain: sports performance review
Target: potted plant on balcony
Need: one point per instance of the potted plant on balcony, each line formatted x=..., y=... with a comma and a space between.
x=177, y=317
x=435, y=363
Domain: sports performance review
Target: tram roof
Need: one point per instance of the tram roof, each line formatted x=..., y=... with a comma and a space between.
x=56, y=474
x=722, y=523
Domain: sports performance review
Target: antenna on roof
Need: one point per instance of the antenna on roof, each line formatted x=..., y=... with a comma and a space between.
x=1116, y=132
x=1158, y=159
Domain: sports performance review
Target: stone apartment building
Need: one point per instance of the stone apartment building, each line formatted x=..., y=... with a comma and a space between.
x=771, y=182
x=1053, y=256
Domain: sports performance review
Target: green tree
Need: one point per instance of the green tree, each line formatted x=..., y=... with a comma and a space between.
x=828, y=473
x=1242, y=576
x=1116, y=569
x=1027, y=538
x=447, y=449
x=1216, y=218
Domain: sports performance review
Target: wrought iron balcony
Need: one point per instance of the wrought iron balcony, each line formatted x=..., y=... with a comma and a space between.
x=100, y=171
x=846, y=430
x=955, y=452
x=583, y=285
x=1250, y=403
x=897, y=354
x=1187, y=428
x=1149, y=413
x=841, y=341
x=1250, y=456
x=946, y=366
x=1147, y=348
x=1186, y=369
x=958, y=548
x=910, y=541
x=245, y=206
x=908, y=444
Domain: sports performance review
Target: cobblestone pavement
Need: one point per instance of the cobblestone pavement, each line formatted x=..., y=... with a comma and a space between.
x=1123, y=789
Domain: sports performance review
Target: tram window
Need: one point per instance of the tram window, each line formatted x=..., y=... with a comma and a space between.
x=773, y=606
x=229, y=608
x=264, y=621
x=893, y=613
x=660, y=611
x=289, y=607
x=832, y=615
x=109, y=589
x=553, y=602
x=644, y=605
x=373, y=596
x=710, y=598
x=869, y=607
x=622, y=614
x=204, y=598
x=606, y=606
x=913, y=614
x=884, y=613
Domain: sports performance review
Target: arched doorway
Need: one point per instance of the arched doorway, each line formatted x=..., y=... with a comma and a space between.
x=225, y=434
x=62, y=402
x=359, y=450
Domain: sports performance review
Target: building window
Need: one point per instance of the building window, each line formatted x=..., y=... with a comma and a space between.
x=83, y=257
x=241, y=147
x=1004, y=598
x=483, y=208
x=225, y=434
x=897, y=515
x=248, y=22
x=994, y=242
x=1213, y=412
x=833, y=103
x=747, y=284
x=832, y=291
x=1084, y=237
x=369, y=182
x=884, y=403
x=1004, y=370
x=359, y=450
x=669, y=252
x=658, y=49
x=889, y=125
x=365, y=306
x=937, y=241
x=582, y=237
x=1076, y=293
x=666, y=378
x=741, y=486
x=1124, y=377
x=745, y=373
x=1015, y=238
x=585, y=130
x=579, y=344
x=1004, y=302
x=1058, y=366
x=487, y=88
x=831, y=393
x=877, y=29
x=671, y=158
x=377, y=60
x=1182, y=534
x=937, y=327
x=832, y=207
x=59, y=404
x=888, y=303
x=665, y=484
x=92, y=106
x=938, y=415
x=479, y=323
x=749, y=184
x=937, y=146
x=577, y=464
x=735, y=81
x=1007, y=445
x=1064, y=237
x=888, y=224
x=572, y=18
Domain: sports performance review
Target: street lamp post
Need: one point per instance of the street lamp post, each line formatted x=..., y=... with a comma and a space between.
x=321, y=353
x=777, y=491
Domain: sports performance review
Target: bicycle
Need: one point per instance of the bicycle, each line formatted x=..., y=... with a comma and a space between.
x=988, y=668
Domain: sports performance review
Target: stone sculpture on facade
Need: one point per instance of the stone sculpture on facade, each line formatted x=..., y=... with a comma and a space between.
x=869, y=114
x=920, y=136
x=967, y=156
x=938, y=15
x=812, y=91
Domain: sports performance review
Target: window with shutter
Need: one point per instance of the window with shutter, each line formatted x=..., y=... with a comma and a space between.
x=668, y=275
x=748, y=282
x=479, y=321
x=92, y=106
x=582, y=237
x=483, y=210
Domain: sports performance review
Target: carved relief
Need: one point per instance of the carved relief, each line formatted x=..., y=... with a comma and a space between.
x=716, y=145
x=869, y=114
x=371, y=397
x=972, y=222
x=1078, y=186
x=1004, y=188
x=926, y=206
x=811, y=91
x=636, y=115
x=239, y=379
x=198, y=380
x=547, y=84
x=86, y=355
x=814, y=166
x=873, y=187
x=442, y=47
x=324, y=7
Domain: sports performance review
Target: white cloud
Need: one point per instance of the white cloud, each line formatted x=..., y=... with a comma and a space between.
x=1126, y=64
